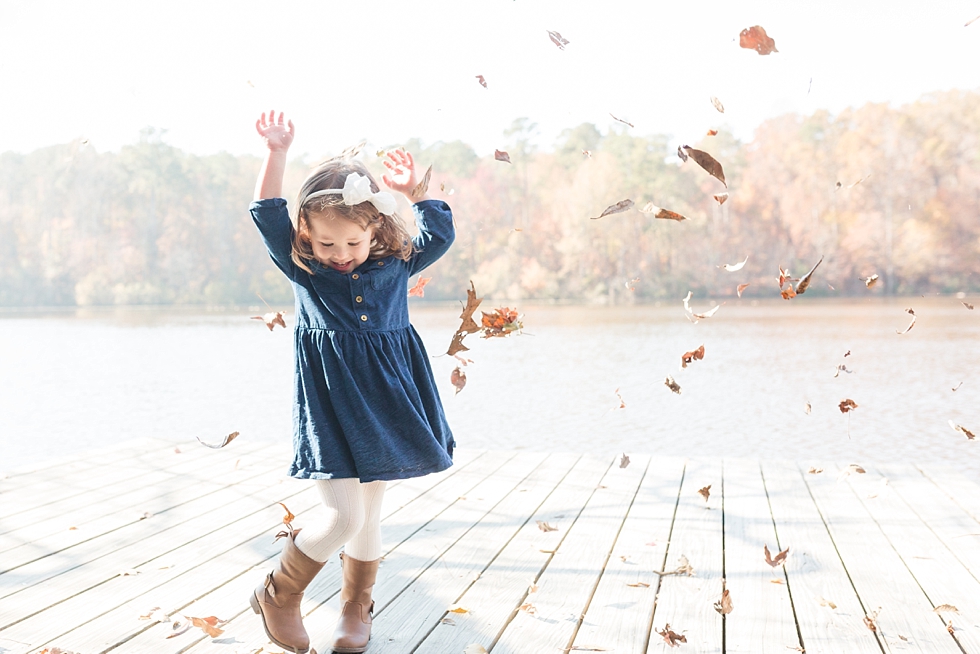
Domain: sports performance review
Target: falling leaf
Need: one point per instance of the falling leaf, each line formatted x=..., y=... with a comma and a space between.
x=229, y=438
x=712, y=132
x=475, y=648
x=179, y=627
x=619, y=207
x=288, y=518
x=442, y=187
x=847, y=405
x=780, y=558
x=857, y=182
x=380, y=153
x=971, y=21
x=870, y=281
x=841, y=368
x=622, y=402
x=735, y=267
x=501, y=322
x=624, y=460
x=945, y=608
x=532, y=587
x=911, y=324
x=272, y=319
x=639, y=584
x=804, y=282
x=717, y=104
x=963, y=430
x=587, y=154
x=130, y=572
x=663, y=214
x=500, y=155
x=545, y=527
x=681, y=153
x=871, y=620
x=788, y=293
x=457, y=344
x=695, y=317
x=755, y=38
x=779, y=582
x=462, y=360
x=847, y=354
x=724, y=605
x=807, y=407
x=672, y=385
x=529, y=608
x=672, y=639
x=683, y=568
x=705, y=492
x=482, y=81
x=950, y=628
x=815, y=471
x=740, y=288
x=558, y=39
x=706, y=161
x=176, y=450
x=623, y=121
x=826, y=603
x=208, y=625
x=418, y=289
x=957, y=387
x=693, y=355
x=631, y=284
x=967, y=305
x=458, y=379
x=849, y=470
x=423, y=187
x=721, y=197
x=456, y=608
x=468, y=325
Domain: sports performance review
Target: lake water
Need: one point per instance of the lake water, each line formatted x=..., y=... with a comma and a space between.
x=84, y=379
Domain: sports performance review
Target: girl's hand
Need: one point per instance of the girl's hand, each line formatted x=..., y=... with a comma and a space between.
x=277, y=136
x=402, y=176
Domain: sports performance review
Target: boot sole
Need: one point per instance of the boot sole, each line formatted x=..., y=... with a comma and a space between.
x=254, y=603
x=350, y=650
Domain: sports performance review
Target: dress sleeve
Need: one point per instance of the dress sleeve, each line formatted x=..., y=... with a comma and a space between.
x=436, y=234
x=272, y=219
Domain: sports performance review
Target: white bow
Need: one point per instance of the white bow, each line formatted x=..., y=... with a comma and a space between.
x=357, y=189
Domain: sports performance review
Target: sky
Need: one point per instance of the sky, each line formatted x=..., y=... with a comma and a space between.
x=386, y=71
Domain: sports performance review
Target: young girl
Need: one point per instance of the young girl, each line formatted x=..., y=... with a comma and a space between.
x=366, y=408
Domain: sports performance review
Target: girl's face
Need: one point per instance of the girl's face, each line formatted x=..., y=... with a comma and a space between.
x=339, y=243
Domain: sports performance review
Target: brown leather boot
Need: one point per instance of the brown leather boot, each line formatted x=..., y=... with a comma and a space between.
x=278, y=598
x=356, y=608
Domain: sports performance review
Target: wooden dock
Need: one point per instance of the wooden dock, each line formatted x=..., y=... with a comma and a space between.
x=89, y=546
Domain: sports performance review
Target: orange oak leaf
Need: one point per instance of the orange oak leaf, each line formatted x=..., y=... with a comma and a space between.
x=501, y=322
x=419, y=289
x=712, y=132
x=755, y=38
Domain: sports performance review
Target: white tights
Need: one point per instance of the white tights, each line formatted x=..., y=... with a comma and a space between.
x=353, y=516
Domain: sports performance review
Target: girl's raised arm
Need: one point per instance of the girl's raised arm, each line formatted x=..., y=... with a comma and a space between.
x=277, y=137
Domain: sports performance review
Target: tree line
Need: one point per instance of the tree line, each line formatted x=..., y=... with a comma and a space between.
x=875, y=190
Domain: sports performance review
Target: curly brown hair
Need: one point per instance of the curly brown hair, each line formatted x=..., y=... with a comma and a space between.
x=390, y=235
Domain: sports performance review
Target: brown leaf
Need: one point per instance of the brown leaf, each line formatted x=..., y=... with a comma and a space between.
x=740, y=288
x=945, y=608
x=475, y=648
x=272, y=319
x=622, y=402
x=804, y=282
x=705, y=492
x=229, y=438
x=706, y=161
x=208, y=625
x=815, y=471
x=693, y=355
x=681, y=153
x=639, y=584
x=755, y=38
x=419, y=289
x=827, y=603
x=672, y=639
x=422, y=187
x=624, y=460
x=353, y=150
x=482, y=80
x=558, y=39
x=529, y=608
x=911, y=324
x=963, y=430
x=625, y=122
x=957, y=387
x=717, y=104
x=288, y=518
x=672, y=385
x=780, y=558
x=500, y=155
x=950, y=628
x=847, y=405
x=712, y=132
x=853, y=468
x=544, y=526
x=458, y=379
x=870, y=281
x=663, y=214
x=788, y=293
x=619, y=207
x=807, y=407
x=871, y=620
x=501, y=322
x=967, y=305
x=721, y=197
x=724, y=605
x=468, y=325
x=457, y=344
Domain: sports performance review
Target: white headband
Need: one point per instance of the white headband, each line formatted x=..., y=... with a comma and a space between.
x=357, y=189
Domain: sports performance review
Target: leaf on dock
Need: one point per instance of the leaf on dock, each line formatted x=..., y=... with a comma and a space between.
x=705, y=492
x=624, y=460
x=475, y=648
x=724, y=605
x=229, y=438
x=672, y=639
x=945, y=608
x=545, y=527
x=779, y=559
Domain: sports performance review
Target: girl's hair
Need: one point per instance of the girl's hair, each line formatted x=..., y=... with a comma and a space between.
x=390, y=235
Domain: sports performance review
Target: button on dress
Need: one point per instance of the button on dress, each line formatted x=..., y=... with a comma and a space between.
x=365, y=400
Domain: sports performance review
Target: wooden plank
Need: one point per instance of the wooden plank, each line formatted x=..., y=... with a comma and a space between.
x=566, y=585
x=226, y=576
x=618, y=618
x=814, y=572
x=762, y=619
x=503, y=586
x=99, y=457
x=686, y=602
x=398, y=527
x=964, y=492
x=943, y=578
x=877, y=572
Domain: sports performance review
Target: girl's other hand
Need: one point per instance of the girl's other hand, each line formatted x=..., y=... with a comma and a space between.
x=402, y=174
x=277, y=136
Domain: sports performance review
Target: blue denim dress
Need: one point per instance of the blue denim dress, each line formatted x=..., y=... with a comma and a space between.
x=365, y=404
